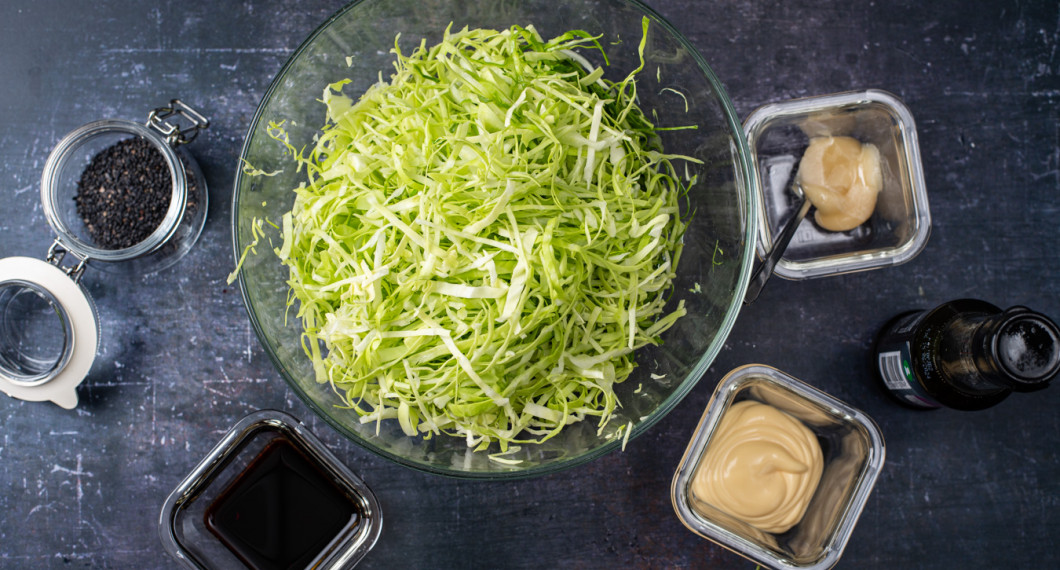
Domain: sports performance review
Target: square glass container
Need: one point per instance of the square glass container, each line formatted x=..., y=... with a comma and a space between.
x=853, y=453
x=247, y=481
x=778, y=135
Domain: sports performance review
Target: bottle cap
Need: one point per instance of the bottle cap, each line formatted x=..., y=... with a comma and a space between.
x=1027, y=348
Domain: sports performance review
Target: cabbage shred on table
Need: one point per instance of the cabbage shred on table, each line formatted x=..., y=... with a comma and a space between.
x=485, y=240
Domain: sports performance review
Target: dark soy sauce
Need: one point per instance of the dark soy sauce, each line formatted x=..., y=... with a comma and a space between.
x=281, y=511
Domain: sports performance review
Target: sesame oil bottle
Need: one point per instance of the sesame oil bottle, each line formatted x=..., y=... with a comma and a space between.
x=966, y=355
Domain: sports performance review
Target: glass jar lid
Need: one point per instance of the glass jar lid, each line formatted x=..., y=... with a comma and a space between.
x=49, y=332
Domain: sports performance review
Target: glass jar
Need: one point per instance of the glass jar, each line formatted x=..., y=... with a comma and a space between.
x=49, y=329
x=184, y=219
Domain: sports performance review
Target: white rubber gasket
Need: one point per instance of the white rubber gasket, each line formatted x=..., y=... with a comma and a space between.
x=79, y=311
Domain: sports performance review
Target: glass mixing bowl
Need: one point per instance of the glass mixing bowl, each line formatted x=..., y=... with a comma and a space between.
x=675, y=88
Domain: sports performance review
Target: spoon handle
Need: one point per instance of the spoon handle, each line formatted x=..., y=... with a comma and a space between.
x=764, y=271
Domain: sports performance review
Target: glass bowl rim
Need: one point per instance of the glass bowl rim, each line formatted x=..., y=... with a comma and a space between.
x=749, y=203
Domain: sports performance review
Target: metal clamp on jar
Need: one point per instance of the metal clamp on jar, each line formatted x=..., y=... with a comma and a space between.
x=49, y=328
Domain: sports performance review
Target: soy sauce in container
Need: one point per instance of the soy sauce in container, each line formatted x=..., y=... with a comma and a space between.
x=270, y=495
x=281, y=511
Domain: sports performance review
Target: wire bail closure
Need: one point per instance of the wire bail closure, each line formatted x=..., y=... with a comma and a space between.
x=57, y=252
x=175, y=134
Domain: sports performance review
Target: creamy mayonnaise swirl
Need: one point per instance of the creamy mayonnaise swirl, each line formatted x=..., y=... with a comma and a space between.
x=762, y=466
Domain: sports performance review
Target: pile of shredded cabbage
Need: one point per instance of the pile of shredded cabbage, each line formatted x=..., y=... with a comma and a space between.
x=484, y=240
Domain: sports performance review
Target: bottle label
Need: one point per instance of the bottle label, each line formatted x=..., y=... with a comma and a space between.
x=894, y=363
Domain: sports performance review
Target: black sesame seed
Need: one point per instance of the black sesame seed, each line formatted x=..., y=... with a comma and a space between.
x=124, y=193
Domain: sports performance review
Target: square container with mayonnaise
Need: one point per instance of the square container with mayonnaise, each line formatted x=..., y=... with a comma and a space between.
x=779, y=135
x=840, y=478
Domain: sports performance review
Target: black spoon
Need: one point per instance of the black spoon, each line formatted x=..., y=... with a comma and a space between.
x=765, y=270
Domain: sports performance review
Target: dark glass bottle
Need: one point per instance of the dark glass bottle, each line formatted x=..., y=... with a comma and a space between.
x=966, y=354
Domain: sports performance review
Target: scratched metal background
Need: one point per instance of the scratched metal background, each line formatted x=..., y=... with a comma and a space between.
x=179, y=363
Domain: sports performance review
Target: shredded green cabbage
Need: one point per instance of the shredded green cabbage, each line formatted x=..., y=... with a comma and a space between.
x=485, y=240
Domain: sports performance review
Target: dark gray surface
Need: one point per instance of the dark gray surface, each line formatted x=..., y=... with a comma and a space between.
x=179, y=363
